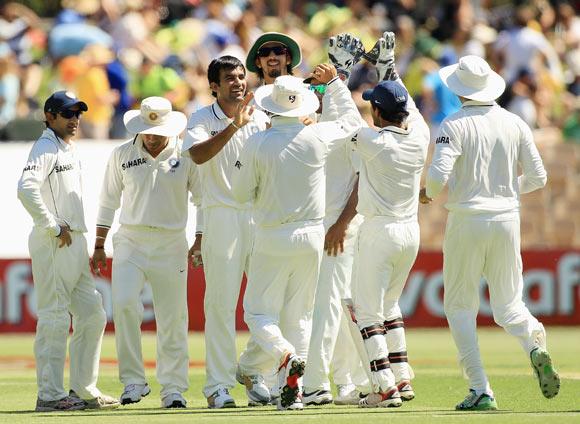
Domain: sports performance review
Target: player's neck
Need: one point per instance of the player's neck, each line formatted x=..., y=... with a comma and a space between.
x=228, y=108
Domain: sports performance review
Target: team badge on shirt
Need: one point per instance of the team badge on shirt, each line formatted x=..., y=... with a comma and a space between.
x=173, y=163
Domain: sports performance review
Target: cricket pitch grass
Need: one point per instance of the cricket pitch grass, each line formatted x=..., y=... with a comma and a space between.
x=438, y=386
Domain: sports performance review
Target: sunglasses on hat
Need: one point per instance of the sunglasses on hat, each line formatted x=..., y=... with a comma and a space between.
x=318, y=88
x=68, y=114
x=265, y=51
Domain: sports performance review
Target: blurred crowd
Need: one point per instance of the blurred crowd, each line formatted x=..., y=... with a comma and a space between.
x=114, y=53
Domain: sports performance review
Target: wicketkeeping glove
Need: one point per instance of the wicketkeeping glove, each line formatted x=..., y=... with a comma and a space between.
x=345, y=51
x=386, y=61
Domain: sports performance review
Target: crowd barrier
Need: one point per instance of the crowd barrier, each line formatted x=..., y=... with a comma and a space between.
x=551, y=292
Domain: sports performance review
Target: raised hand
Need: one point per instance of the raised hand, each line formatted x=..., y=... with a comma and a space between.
x=386, y=61
x=244, y=111
x=324, y=73
x=345, y=51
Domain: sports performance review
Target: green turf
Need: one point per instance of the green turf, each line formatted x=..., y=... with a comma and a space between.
x=438, y=385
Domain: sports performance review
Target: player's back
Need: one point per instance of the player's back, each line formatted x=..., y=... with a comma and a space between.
x=292, y=160
x=484, y=177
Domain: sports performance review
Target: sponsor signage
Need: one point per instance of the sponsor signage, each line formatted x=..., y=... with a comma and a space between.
x=551, y=292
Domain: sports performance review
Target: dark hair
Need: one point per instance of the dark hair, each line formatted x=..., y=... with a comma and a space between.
x=394, y=117
x=223, y=62
x=260, y=71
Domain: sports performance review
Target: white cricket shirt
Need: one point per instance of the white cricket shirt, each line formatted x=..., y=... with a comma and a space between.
x=50, y=187
x=216, y=173
x=341, y=166
x=154, y=191
x=392, y=159
x=282, y=169
x=477, y=151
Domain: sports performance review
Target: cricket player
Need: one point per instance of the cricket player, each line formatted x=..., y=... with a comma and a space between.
x=215, y=136
x=478, y=151
x=272, y=55
x=50, y=189
x=393, y=158
x=282, y=172
x=153, y=178
x=331, y=342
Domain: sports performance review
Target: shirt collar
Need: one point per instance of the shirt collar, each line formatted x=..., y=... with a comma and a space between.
x=218, y=112
x=397, y=130
x=468, y=103
x=49, y=132
x=278, y=120
x=168, y=151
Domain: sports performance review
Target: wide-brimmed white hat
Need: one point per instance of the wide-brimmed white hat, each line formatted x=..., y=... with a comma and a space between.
x=287, y=97
x=473, y=79
x=155, y=117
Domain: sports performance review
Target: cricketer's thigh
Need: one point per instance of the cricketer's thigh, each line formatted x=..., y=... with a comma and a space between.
x=159, y=257
x=226, y=246
x=333, y=285
x=279, y=298
x=63, y=283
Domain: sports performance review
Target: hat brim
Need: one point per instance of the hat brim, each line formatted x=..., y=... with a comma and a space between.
x=368, y=95
x=174, y=124
x=494, y=88
x=263, y=98
x=273, y=37
x=82, y=105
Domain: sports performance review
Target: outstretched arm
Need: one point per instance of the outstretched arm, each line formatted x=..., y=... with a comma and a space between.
x=203, y=151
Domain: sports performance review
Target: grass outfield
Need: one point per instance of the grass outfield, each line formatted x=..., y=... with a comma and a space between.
x=438, y=385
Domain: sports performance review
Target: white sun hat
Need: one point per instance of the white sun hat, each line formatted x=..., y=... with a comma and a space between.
x=155, y=117
x=288, y=96
x=473, y=79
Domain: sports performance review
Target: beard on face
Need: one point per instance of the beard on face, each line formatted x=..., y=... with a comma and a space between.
x=274, y=73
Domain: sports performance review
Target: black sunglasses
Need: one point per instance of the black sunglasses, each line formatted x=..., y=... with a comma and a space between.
x=68, y=114
x=278, y=51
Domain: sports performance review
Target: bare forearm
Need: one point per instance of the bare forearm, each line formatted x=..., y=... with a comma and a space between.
x=205, y=150
x=349, y=211
x=101, y=236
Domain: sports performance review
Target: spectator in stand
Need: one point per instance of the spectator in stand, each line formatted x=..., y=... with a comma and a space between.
x=134, y=29
x=520, y=96
x=9, y=88
x=94, y=87
x=522, y=46
x=155, y=80
x=437, y=100
x=119, y=81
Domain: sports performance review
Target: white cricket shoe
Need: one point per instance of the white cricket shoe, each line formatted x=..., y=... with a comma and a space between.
x=133, y=393
x=221, y=398
x=347, y=394
x=406, y=390
x=317, y=397
x=289, y=374
x=173, y=400
x=389, y=399
x=297, y=405
x=256, y=389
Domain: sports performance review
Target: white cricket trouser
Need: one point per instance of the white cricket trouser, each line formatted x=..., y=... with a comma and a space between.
x=474, y=248
x=226, y=245
x=145, y=254
x=64, y=284
x=331, y=340
x=279, y=298
x=386, y=251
